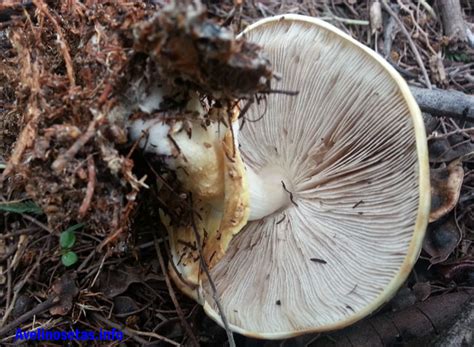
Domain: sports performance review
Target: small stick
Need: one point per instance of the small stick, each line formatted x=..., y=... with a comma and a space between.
x=86, y=261
x=454, y=132
x=280, y=91
x=90, y=188
x=282, y=219
x=45, y=305
x=61, y=40
x=349, y=21
x=18, y=233
x=60, y=163
x=410, y=42
x=132, y=332
x=18, y=288
x=291, y=194
x=38, y=223
x=175, y=301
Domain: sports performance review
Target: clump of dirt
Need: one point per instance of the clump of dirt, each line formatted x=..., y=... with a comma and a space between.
x=200, y=54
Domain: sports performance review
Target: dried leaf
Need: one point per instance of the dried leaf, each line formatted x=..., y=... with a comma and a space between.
x=23, y=304
x=458, y=270
x=403, y=299
x=422, y=290
x=446, y=186
x=394, y=329
x=66, y=290
x=441, y=240
x=444, y=149
x=124, y=305
x=114, y=282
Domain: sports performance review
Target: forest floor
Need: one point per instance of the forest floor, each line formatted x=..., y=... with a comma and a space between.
x=115, y=276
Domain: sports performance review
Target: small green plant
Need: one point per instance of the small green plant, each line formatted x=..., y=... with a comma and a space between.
x=20, y=207
x=67, y=239
x=69, y=258
x=458, y=57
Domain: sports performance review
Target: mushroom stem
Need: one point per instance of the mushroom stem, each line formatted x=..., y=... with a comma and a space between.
x=267, y=194
x=196, y=157
x=198, y=162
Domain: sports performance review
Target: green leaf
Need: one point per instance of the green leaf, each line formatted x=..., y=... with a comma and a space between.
x=67, y=239
x=69, y=258
x=20, y=207
x=458, y=57
x=75, y=227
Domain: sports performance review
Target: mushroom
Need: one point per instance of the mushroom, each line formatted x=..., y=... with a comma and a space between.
x=333, y=189
x=350, y=154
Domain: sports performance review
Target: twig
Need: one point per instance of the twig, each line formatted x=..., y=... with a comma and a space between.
x=90, y=188
x=45, y=305
x=346, y=20
x=407, y=9
x=9, y=282
x=230, y=337
x=389, y=27
x=18, y=233
x=84, y=263
x=184, y=323
x=454, y=132
x=126, y=314
x=28, y=134
x=106, y=255
x=443, y=103
x=18, y=288
x=290, y=193
x=38, y=223
x=9, y=9
x=131, y=332
x=428, y=8
x=60, y=163
x=155, y=335
x=61, y=40
x=410, y=42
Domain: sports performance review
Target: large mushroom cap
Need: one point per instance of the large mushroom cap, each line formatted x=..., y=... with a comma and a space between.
x=351, y=149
